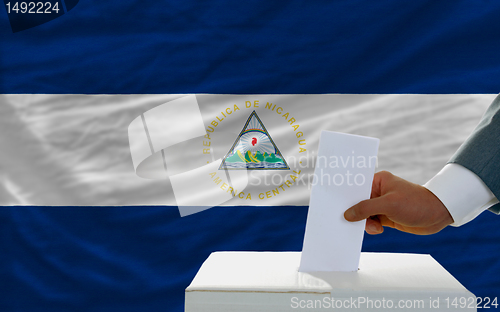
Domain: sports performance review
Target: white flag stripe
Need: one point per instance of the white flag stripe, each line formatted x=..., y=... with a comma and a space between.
x=159, y=128
x=85, y=137
x=174, y=122
x=193, y=188
x=138, y=141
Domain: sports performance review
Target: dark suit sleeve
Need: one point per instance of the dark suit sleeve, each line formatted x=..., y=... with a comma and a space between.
x=480, y=153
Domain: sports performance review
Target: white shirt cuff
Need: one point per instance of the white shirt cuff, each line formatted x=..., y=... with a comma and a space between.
x=462, y=192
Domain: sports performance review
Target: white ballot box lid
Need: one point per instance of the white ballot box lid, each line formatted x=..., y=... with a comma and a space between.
x=270, y=281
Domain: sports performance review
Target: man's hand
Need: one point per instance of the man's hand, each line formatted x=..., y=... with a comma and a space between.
x=402, y=205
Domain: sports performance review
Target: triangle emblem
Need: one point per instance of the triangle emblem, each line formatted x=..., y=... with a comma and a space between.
x=254, y=149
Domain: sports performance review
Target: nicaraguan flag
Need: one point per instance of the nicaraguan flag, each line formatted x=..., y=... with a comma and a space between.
x=116, y=118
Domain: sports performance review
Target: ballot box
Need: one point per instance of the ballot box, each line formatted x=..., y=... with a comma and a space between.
x=271, y=282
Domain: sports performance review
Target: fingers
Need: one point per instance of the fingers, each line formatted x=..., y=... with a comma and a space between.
x=373, y=226
x=386, y=221
x=376, y=189
x=380, y=179
x=366, y=208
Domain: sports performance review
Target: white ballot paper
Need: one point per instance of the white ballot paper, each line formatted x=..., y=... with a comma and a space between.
x=343, y=177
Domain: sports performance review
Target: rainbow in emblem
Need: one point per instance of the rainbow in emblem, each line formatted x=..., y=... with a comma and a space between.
x=254, y=149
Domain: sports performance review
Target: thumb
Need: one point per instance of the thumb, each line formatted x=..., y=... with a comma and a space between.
x=366, y=209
